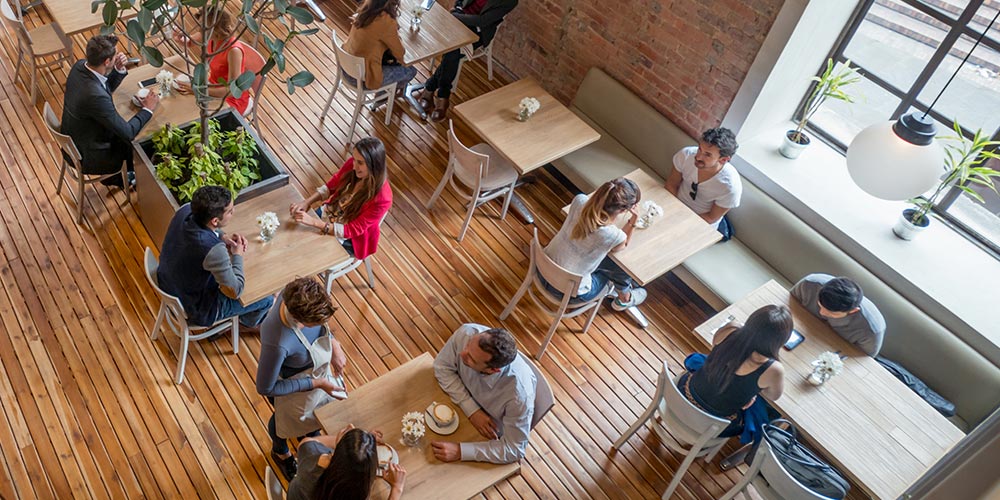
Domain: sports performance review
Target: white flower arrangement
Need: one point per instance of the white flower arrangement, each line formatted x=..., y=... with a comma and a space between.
x=648, y=213
x=166, y=80
x=417, y=14
x=413, y=426
x=527, y=107
x=825, y=366
x=268, y=221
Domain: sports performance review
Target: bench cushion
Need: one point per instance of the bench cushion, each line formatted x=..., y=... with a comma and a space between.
x=599, y=162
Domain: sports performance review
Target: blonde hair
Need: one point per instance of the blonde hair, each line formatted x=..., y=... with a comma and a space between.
x=611, y=199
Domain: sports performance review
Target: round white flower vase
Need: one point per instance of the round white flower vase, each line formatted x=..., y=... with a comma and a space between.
x=410, y=440
x=817, y=378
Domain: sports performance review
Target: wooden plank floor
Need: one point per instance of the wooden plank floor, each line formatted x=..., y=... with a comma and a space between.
x=88, y=407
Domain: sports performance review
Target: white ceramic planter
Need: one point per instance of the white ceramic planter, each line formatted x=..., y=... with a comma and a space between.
x=907, y=230
x=791, y=149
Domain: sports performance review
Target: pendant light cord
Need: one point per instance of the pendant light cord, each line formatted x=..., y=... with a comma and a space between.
x=967, y=55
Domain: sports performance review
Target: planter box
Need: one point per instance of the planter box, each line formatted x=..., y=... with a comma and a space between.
x=157, y=205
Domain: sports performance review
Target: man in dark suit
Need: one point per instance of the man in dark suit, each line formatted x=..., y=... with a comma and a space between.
x=89, y=116
x=482, y=17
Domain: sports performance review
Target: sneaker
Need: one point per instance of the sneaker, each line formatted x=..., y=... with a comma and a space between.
x=287, y=466
x=638, y=296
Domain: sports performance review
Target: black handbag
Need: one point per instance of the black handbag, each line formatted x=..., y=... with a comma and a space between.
x=802, y=464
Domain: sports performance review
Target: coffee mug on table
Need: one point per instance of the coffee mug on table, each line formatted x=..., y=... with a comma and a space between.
x=443, y=415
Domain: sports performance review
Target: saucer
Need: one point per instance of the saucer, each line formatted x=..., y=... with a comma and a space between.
x=444, y=431
x=384, y=451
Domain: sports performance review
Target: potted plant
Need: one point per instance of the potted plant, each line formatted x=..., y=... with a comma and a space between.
x=828, y=85
x=963, y=168
x=151, y=27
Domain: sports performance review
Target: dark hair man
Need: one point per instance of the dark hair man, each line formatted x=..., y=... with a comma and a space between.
x=481, y=371
x=842, y=304
x=203, y=266
x=89, y=115
x=704, y=180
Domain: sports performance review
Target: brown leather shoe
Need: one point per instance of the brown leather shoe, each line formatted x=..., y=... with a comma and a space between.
x=440, y=109
x=426, y=100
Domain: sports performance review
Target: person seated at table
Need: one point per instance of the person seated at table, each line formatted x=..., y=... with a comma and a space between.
x=375, y=36
x=227, y=65
x=102, y=136
x=357, y=198
x=202, y=266
x=482, y=17
x=480, y=370
x=704, y=180
x=589, y=234
x=842, y=304
x=742, y=364
x=286, y=362
x=343, y=467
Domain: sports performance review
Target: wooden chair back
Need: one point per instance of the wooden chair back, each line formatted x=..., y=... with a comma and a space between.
x=254, y=61
x=559, y=277
x=780, y=481
x=65, y=142
x=681, y=416
x=175, y=314
x=274, y=489
x=352, y=66
x=545, y=400
x=468, y=166
x=13, y=14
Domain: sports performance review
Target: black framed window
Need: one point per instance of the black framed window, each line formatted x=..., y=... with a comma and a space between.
x=905, y=51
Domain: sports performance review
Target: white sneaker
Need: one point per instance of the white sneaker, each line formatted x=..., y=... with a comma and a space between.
x=638, y=296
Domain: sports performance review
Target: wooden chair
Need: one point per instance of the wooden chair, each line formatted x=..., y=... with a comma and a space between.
x=561, y=279
x=544, y=399
x=172, y=314
x=689, y=426
x=254, y=61
x=470, y=54
x=338, y=271
x=71, y=162
x=771, y=480
x=357, y=94
x=483, y=173
x=43, y=47
x=275, y=491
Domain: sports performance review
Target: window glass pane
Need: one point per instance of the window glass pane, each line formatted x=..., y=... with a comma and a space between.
x=981, y=218
x=895, y=41
x=950, y=8
x=983, y=17
x=973, y=97
x=842, y=120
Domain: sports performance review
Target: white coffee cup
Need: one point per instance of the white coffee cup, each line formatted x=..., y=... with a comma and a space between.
x=442, y=414
x=139, y=96
x=182, y=78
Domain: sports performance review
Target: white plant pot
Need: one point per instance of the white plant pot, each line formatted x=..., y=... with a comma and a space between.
x=907, y=230
x=791, y=149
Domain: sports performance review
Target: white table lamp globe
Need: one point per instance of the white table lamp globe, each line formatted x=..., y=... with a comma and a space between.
x=896, y=160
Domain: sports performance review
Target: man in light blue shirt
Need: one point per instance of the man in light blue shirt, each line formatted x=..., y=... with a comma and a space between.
x=480, y=370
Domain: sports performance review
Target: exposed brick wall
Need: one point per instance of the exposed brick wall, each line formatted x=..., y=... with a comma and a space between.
x=687, y=58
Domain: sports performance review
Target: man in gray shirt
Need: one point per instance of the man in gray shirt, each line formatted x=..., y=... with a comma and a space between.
x=843, y=305
x=495, y=388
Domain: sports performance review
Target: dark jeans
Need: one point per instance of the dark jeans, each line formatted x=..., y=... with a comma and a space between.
x=108, y=161
x=279, y=445
x=250, y=315
x=445, y=73
x=606, y=271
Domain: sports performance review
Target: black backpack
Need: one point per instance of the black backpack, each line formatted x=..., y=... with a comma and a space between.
x=802, y=464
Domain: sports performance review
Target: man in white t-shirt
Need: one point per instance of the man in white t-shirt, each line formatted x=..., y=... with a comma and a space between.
x=704, y=179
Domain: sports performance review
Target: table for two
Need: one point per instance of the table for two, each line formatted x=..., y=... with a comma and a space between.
x=867, y=423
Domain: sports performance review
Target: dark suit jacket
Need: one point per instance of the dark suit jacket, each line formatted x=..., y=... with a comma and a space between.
x=486, y=22
x=90, y=118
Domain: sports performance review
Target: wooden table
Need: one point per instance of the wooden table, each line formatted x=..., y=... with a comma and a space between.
x=381, y=403
x=872, y=427
x=176, y=109
x=74, y=16
x=295, y=250
x=440, y=32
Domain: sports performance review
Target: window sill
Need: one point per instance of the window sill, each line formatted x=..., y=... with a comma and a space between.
x=942, y=272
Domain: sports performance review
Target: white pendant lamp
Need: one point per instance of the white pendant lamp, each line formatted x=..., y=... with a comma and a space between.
x=900, y=160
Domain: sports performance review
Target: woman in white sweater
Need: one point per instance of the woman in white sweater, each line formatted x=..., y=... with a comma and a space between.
x=590, y=233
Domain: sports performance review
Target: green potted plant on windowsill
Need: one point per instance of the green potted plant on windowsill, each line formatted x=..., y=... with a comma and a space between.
x=963, y=169
x=829, y=85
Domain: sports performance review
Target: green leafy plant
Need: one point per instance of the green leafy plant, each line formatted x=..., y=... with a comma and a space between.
x=964, y=168
x=184, y=164
x=829, y=85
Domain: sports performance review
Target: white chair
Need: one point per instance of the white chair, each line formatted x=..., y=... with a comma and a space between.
x=771, y=480
x=71, y=162
x=352, y=264
x=254, y=61
x=470, y=54
x=544, y=399
x=689, y=426
x=172, y=314
x=560, y=279
x=354, y=67
x=483, y=174
x=43, y=47
x=274, y=489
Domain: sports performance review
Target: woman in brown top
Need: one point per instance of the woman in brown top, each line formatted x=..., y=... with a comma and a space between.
x=375, y=36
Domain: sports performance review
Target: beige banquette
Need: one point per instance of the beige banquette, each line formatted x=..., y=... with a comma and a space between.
x=770, y=243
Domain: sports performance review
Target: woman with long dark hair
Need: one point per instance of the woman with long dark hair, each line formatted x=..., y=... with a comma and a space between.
x=356, y=199
x=342, y=468
x=375, y=37
x=743, y=363
x=587, y=236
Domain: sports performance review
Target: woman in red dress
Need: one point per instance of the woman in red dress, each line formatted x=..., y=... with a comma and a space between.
x=227, y=65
